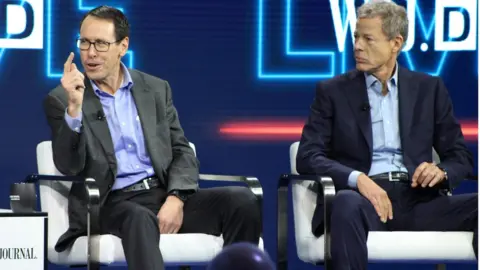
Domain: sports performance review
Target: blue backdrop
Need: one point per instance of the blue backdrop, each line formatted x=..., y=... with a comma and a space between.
x=242, y=73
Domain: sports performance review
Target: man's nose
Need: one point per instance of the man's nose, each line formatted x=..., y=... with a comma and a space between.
x=92, y=52
x=357, y=46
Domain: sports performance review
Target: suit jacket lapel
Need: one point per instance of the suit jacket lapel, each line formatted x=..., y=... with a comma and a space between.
x=407, y=97
x=356, y=94
x=145, y=103
x=94, y=115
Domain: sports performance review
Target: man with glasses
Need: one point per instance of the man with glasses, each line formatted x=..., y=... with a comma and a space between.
x=120, y=127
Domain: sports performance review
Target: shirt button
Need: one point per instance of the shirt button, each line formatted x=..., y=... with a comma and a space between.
x=129, y=146
x=123, y=123
x=137, y=166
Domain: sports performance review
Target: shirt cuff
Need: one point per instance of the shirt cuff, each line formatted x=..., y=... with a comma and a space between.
x=75, y=124
x=352, y=179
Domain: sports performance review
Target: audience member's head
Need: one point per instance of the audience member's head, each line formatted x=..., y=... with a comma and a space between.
x=241, y=256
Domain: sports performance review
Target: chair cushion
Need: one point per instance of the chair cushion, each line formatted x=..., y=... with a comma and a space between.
x=182, y=248
x=401, y=246
x=176, y=249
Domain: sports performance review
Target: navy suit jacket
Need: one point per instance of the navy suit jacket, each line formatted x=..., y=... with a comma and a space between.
x=337, y=137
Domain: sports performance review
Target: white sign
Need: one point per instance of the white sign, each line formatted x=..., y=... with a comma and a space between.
x=462, y=25
x=22, y=245
x=24, y=24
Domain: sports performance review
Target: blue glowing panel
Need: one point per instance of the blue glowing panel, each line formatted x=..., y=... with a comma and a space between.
x=264, y=35
x=435, y=29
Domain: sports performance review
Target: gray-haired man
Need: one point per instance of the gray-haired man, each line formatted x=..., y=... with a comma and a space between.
x=372, y=130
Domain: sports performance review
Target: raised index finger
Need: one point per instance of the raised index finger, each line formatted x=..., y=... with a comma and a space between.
x=68, y=63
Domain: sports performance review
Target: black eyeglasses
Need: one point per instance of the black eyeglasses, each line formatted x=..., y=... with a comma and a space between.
x=100, y=45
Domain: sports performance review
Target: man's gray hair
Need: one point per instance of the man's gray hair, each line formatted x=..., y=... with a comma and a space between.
x=394, y=17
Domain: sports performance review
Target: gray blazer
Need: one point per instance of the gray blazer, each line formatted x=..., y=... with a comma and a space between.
x=90, y=153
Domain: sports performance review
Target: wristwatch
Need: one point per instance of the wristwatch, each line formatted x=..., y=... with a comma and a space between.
x=182, y=195
x=445, y=185
x=445, y=174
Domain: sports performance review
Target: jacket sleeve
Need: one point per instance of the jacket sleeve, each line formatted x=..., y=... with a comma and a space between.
x=315, y=143
x=68, y=146
x=184, y=168
x=449, y=142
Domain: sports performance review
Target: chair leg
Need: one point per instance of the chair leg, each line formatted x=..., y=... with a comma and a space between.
x=328, y=264
x=92, y=266
x=441, y=267
x=283, y=265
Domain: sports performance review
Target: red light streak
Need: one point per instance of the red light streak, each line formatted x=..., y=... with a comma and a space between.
x=291, y=130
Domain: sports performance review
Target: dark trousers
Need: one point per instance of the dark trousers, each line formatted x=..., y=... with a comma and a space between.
x=353, y=216
x=132, y=216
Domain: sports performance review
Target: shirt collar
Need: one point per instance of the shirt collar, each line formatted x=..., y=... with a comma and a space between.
x=127, y=81
x=370, y=79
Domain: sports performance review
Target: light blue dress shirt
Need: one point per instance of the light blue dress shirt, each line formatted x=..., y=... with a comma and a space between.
x=387, y=147
x=133, y=161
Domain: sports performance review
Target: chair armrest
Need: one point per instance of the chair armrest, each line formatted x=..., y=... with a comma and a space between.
x=252, y=182
x=328, y=191
x=93, y=203
x=91, y=187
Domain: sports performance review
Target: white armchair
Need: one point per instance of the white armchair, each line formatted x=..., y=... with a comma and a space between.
x=399, y=246
x=182, y=250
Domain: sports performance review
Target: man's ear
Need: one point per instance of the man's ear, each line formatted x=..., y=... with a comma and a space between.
x=397, y=44
x=124, y=46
